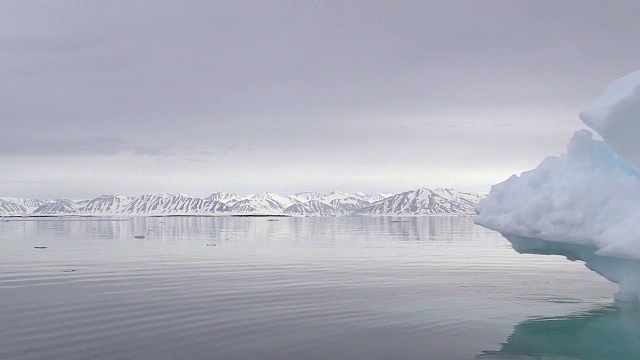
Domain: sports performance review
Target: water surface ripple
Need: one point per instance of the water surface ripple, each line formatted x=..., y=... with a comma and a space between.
x=320, y=288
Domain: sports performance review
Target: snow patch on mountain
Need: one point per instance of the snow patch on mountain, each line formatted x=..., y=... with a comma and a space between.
x=311, y=208
x=335, y=195
x=307, y=196
x=283, y=201
x=256, y=206
x=349, y=205
x=372, y=198
x=57, y=207
x=225, y=198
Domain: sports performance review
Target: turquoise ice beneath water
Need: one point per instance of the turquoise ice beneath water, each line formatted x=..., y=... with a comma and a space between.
x=584, y=204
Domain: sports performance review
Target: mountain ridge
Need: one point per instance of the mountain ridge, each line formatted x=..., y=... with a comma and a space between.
x=419, y=202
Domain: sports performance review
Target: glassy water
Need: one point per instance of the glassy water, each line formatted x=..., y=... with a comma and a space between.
x=313, y=288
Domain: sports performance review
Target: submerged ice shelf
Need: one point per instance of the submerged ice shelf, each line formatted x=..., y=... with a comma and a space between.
x=584, y=204
x=623, y=272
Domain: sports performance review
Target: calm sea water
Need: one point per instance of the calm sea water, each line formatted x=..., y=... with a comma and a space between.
x=290, y=288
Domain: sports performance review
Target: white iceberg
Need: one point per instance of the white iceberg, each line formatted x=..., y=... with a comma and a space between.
x=585, y=204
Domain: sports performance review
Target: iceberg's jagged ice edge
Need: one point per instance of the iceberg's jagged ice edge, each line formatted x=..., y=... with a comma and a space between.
x=585, y=204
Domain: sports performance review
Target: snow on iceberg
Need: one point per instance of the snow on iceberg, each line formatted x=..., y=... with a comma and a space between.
x=585, y=204
x=615, y=115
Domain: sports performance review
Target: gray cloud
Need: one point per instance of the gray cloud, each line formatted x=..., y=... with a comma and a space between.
x=102, y=146
x=353, y=82
x=19, y=182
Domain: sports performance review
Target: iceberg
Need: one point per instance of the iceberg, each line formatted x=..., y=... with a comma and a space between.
x=585, y=203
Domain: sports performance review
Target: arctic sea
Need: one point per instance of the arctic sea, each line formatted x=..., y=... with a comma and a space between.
x=296, y=288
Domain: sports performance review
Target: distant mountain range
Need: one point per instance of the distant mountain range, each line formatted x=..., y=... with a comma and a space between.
x=422, y=201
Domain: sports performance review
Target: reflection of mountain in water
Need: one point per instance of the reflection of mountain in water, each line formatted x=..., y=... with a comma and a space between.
x=221, y=229
x=609, y=333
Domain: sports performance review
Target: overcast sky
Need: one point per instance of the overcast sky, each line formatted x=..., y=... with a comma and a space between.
x=149, y=96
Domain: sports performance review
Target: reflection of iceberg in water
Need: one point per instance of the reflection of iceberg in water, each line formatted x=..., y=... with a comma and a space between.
x=608, y=333
x=585, y=204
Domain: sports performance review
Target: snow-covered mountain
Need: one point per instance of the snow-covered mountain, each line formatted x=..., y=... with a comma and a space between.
x=417, y=202
x=79, y=203
x=348, y=205
x=173, y=204
x=104, y=205
x=256, y=205
x=225, y=198
x=311, y=208
x=29, y=204
x=424, y=201
x=307, y=196
x=10, y=208
x=335, y=195
x=179, y=204
x=372, y=198
x=57, y=207
x=283, y=201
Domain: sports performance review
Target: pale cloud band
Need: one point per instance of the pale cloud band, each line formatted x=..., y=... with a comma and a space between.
x=359, y=89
